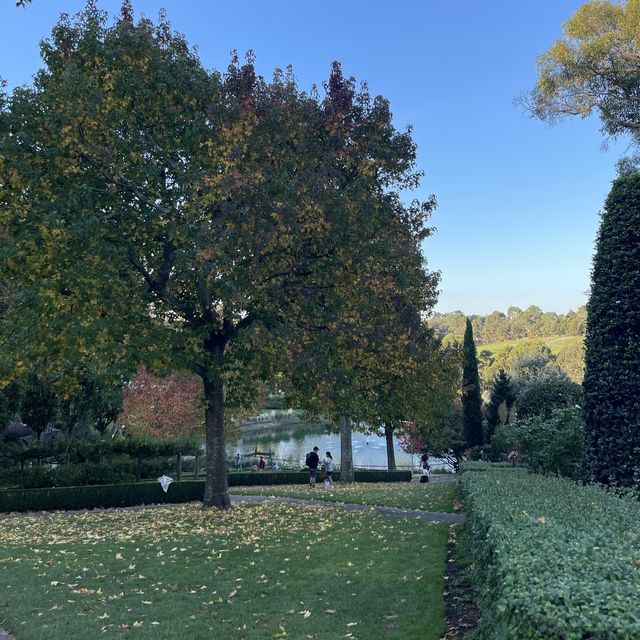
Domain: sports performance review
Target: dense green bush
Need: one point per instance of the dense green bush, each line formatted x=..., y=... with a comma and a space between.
x=99, y=496
x=554, y=559
x=542, y=397
x=553, y=445
x=122, y=495
x=69, y=462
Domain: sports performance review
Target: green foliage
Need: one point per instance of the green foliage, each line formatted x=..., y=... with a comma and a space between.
x=155, y=212
x=471, y=399
x=39, y=404
x=541, y=397
x=594, y=66
x=567, y=353
x=99, y=496
x=65, y=462
x=554, y=559
x=501, y=399
x=120, y=470
x=549, y=444
x=516, y=324
x=612, y=360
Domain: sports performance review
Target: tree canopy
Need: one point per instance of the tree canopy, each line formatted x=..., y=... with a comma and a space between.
x=157, y=213
x=595, y=66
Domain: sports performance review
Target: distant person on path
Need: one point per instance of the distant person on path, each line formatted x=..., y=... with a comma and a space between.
x=238, y=461
x=513, y=457
x=312, y=462
x=328, y=466
x=424, y=463
x=483, y=455
x=261, y=464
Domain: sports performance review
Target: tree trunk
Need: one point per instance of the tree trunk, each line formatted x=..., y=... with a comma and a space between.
x=391, y=454
x=196, y=465
x=216, y=488
x=178, y=467
x=346, y=451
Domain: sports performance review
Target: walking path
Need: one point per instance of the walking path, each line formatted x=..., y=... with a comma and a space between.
x=433, y=517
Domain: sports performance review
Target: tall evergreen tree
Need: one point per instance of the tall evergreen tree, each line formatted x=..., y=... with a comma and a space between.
x=612, y=357
x=501, y=393
x=471, y=400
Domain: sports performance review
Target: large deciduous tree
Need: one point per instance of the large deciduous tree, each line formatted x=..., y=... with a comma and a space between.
x=595, y=66
x=612, y=357
x=471, y=398
x=157, y=213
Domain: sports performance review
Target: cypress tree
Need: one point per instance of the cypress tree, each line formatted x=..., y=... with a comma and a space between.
x=612, y=344
x=501, y=391
x=471, y=400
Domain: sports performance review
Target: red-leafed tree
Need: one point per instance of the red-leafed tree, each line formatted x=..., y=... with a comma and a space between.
x=163, y=407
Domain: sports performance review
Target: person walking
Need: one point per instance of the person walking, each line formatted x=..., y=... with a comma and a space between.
x=312, y=462
x=328, y=467
x=261, y=464
x=424, y=463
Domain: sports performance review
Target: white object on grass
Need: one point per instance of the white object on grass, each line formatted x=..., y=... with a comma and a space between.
x=165, y=481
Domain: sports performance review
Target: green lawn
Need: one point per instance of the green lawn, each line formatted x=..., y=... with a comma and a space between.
x=425, y=497
x=261, y=571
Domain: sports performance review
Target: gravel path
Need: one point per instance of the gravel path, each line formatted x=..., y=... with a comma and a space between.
x=433, y=517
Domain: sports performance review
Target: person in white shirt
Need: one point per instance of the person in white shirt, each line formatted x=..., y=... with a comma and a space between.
x=328, y=466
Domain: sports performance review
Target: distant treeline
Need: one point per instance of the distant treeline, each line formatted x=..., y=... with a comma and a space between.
x=516, y=323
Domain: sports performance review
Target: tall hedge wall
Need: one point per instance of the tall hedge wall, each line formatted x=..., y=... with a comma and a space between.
x=612, y=356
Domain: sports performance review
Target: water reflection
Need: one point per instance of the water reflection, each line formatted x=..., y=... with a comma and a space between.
x=290, y=442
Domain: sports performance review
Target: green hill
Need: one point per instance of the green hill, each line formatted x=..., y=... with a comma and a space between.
x=569, y=352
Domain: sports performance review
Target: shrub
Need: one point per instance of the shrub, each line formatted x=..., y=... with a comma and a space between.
x=553, y=559
x=553, y=445
x=541, y=397
x=121, y=470
x=99, y=496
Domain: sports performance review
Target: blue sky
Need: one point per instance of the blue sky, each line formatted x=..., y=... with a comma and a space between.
x=518, y=200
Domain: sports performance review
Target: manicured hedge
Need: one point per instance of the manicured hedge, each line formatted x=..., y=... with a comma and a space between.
x=554, y=559
x=126, y=495
x=96, y=496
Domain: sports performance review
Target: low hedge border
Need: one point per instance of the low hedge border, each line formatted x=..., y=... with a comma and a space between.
x=132, y=494
x=553, y=559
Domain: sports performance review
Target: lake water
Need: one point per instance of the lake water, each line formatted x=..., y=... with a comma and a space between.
x=289, y=442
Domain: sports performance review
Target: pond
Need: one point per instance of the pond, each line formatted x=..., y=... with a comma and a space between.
x=289, y=440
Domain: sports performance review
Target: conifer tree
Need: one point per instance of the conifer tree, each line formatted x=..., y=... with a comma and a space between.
x=471, y=400
x=612, y=357
x=501, y=393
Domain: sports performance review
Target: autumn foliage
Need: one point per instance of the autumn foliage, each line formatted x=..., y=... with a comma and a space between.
x=163, y=407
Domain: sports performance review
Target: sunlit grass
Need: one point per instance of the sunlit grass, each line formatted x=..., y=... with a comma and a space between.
x=266, y=571
x=405, y=495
